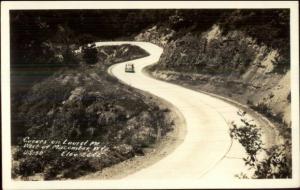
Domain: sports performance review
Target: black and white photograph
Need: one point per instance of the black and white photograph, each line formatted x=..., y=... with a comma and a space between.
x=150, y=94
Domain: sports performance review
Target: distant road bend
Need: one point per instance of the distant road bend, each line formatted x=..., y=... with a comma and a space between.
x=207, y=150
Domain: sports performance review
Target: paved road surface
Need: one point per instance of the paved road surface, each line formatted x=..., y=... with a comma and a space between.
x=207, y=151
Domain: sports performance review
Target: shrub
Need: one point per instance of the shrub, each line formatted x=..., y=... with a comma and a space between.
x=266, y=111
x=281, y=64
x=29, y=166
x=277, y=161
x=249, y=136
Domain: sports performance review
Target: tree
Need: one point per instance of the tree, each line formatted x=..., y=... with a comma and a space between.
x=90, y=53
x=69, y=58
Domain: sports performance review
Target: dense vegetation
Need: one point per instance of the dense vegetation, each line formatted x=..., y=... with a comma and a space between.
x=36, y=33
x=269, y=27
x=194, y=54
x=86, y=103
x=43, y=41
x=277, y=160
x=189, y=50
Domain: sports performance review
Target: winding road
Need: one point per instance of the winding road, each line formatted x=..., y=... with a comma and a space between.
x=207, y=151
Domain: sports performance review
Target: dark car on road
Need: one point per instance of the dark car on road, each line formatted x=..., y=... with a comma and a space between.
x=129, y=68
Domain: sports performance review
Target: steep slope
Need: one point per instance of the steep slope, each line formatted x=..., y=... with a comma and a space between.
x=232, y=65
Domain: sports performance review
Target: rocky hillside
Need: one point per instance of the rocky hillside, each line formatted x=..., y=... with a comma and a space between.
x=86, y=103
x=232, y=64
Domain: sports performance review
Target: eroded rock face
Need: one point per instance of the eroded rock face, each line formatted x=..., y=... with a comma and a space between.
x=124, y=149
x=231, y=64
x=159, y=36
x=144, y=136
x=107, y=118
x=76, y=95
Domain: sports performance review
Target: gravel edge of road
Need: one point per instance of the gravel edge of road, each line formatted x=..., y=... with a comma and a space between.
x=266, y=125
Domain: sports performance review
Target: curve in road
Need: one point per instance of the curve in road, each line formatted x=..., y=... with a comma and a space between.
x=207, y=150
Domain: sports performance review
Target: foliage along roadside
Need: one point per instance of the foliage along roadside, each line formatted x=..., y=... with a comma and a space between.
x=266, y=163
